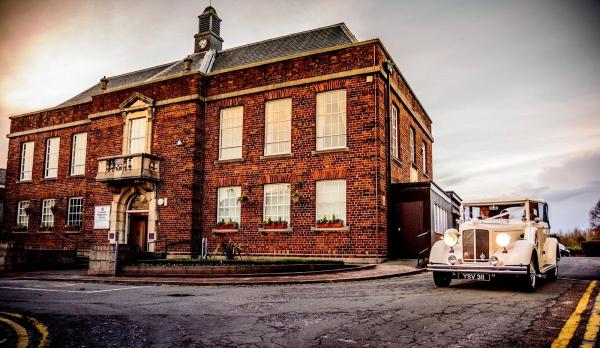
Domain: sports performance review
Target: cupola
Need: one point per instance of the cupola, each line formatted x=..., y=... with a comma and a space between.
x=209, y=30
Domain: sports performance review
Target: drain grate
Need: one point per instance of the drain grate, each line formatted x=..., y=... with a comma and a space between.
x=179, y=295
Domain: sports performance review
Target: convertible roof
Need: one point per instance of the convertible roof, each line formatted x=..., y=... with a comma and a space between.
x=502, y=201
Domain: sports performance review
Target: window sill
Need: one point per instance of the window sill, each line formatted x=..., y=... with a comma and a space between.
x=229, y=160
x=320, y=229
x=225, y=231
x=79, y=176
x=24, y=181
x=275, y=230
x=45, y=231
x=397, y=161
x=73, y=232
x=337, y=149
x=281, y=155
x=20, y=232
x=49, y=179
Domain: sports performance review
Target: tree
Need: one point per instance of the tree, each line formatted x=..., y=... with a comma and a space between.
x=595, y=217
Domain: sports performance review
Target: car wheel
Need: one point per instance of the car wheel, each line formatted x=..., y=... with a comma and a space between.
x=442, y=279
x=553, y=273
x=530, y=280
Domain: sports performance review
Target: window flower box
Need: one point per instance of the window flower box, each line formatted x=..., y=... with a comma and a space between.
x=72, y=228
x=20, y=228
x=46, y=228
x=275, y=225
x=227, y=225
x=330, y=223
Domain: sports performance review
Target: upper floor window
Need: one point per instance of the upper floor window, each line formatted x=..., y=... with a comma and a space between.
x=413, y=155
x=331, y=120
x=26, y=161
x=278, y=127
x=230, y=137
x=331, y=200
x=229, y=204
x=424, y=155
x=394, y=130
x=52, y=149
x=75, y=211
x=137, y=135
x=22, y=216
x=277, y=202
x=47, y=214
x=79, y=147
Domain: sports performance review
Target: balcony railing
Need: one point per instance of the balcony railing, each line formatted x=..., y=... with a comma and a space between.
x=140, y=166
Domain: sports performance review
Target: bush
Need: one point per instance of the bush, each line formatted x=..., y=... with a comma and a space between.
x=591, y=247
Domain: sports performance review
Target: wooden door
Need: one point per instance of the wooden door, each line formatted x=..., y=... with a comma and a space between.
x=138, y=229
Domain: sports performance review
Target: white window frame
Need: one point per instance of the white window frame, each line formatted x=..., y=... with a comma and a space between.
x=137, y=142
x=424, y=155
x=51, y=160
x=331, y=199
x=278, y=127
x=22, y=217
x=231, y=127
x=26, y=170
x=276, y=202
x=47, y=214
x=78, y=153
x=331, y=120
x=394, y=131
x=228, y=204
x=75, y=211
x=413, y=150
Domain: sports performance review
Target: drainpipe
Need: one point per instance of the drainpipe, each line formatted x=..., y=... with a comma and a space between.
x=389, y=69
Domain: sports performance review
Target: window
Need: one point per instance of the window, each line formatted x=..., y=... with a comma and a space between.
x=230, y=142
x=424, y=155
x=394, y=130
x=277, y=202
x=331, y=120
x=75, y=212
x=22, y=216
x=331, y=199
x=440, y=219
x=229, y=206
x=79, y=146
x=411, y=140
x=51, y=167
x=47, y=214
x=278, y=126
x=137, y=135
x=26, y=161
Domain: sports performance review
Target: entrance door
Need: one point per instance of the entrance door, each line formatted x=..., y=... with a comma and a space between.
x=407, y=239
x=138, y=230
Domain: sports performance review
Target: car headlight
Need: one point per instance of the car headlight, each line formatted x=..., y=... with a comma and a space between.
x=451, y=237
x=503, y=239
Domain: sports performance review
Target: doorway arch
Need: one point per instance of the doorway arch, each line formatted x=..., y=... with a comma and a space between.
x=136, y=222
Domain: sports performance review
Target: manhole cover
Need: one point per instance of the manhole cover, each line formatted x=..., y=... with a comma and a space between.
x=179, y=295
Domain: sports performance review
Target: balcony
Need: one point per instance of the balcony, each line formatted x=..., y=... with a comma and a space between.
x=139, y=166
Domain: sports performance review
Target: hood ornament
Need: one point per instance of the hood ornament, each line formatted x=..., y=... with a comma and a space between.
x=482, y=256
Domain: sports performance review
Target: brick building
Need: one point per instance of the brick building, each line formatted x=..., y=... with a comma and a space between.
x=296, y=126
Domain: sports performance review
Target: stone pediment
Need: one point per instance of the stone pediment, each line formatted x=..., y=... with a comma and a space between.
x=137, y=100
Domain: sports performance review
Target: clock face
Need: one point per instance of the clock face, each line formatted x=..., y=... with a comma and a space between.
x=202, y=43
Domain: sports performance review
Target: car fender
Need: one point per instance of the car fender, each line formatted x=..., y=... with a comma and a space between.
x=551, y=248
x=439, y=252
x=518, y=253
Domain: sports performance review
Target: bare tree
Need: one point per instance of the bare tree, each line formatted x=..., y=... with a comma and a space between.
x=595, y=217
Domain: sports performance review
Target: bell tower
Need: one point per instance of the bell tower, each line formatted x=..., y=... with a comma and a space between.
x=209, y=30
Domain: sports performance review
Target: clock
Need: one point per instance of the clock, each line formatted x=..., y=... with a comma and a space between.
x=202, y=43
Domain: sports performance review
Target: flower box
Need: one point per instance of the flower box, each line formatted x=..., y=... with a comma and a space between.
x=338, y=224
x=275, y=226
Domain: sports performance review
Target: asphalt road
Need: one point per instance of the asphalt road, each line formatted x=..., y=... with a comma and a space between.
x=396, y=312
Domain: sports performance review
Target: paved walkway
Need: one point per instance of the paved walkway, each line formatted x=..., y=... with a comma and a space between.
x=384, y=270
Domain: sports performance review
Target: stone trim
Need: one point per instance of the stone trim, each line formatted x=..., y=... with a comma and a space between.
x=275, y=230
x=341, y=229
x=49, y=128
x=337, y=149
x=294, y=83
x=157, y=103
x=277, y=156
x=224, y=231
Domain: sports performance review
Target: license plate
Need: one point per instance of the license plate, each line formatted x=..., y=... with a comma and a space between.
x=474, y=276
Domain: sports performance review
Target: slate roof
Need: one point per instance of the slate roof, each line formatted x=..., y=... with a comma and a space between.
x=325, y=37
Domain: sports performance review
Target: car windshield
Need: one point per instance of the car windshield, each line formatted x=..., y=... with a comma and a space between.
x=495, y=211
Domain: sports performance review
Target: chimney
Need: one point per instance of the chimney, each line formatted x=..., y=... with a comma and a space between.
x=103, y=83
x=187, y=63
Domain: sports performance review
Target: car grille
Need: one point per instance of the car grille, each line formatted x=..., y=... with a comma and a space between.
x=476, y=245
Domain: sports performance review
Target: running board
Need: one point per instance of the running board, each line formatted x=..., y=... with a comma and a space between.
x=546, y=268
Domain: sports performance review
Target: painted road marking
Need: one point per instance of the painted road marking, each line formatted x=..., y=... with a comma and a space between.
x=22, y=337
x=41, y=328
x=567, y=332
x=71, y=291
x=593, y=325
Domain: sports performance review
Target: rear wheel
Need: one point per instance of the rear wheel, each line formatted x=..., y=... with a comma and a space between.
x=442, y=279
x=530, y=280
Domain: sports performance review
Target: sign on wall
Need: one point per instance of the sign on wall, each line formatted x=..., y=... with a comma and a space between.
x=102, y=217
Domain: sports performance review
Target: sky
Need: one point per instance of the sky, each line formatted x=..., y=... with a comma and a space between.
x=512, y=87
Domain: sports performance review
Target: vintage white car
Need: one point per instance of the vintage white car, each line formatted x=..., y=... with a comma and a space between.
x=506, y=237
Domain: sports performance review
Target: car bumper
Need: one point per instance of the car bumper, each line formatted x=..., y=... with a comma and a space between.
x=463, y=268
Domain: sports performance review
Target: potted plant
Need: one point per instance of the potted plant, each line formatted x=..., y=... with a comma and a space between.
x=280, y=224
x=46, y=227
x=20, y=228
x=296, y=196
x=243, y=199
x=268, y=223
x=335, y=222
x=323, y=223
x=227, y=225
x=72, y=227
